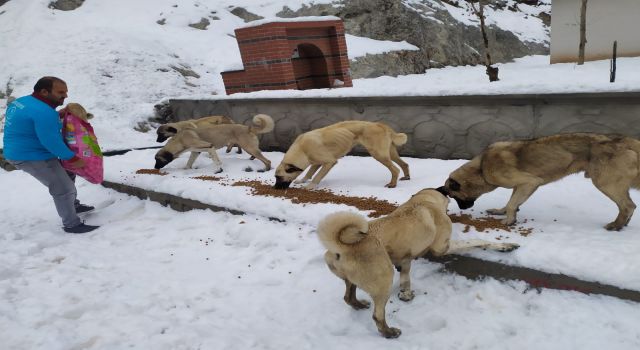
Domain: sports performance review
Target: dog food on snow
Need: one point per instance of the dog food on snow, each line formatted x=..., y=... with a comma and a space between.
x=376, y=207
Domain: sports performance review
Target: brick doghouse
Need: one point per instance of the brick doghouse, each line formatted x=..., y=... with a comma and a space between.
x=300, y=53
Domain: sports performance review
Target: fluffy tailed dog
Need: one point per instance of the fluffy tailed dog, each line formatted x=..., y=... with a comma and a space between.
x=211, y=137
x=321, y=149
x=363, y=253
x=611, y=161
x=166, y=131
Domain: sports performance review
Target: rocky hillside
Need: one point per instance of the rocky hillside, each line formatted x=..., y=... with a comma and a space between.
x=434, y=26
x=430, y=25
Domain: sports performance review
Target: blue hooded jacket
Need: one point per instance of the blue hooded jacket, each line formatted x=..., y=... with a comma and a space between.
x=33, y=131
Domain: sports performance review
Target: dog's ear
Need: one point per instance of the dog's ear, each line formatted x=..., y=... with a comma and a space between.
x=173, y=130
x=453, y=185
x=292, y=169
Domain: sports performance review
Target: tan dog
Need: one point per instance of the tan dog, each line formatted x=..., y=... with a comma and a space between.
x=212, y=137
x=166, y=131
x=77, y=110
x=321, y=149
x=612, y=162
x=363, y=253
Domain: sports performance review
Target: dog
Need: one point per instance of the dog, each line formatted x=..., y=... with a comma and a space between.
x=166, y=131
x=611, y=161
x=321, y=149
x=363, y=253
x=77, y=110
x=209, y=138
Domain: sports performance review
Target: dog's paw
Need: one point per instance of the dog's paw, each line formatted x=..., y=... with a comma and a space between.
x=390, y=185
x=496, y=211
x=391, y=333
x=404, y=178
x=613, y=226
x=508, y=221
x=359, y=304
x=300, y=181
x=310, y=186
x=406, y=295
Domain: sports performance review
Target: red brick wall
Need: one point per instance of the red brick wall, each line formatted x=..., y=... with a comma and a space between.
x=266, y=53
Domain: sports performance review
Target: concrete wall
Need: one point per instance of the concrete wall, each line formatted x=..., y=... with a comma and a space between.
x=607, y=21
x=438, y=127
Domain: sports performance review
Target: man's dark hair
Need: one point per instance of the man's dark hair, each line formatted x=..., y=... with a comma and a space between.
x=46, y=83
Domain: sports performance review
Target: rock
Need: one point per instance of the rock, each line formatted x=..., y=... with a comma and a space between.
x=443, y=41
x=65, y=5
x=163, y=113
x=186, y=72
x=392, y=63
x=245, y=15
x=202, y=25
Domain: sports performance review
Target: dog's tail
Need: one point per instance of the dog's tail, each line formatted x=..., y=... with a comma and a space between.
x=398, y=138
x=338, y=231
x=262, y=123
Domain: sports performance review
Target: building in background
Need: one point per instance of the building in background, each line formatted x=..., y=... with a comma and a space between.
x=606, y=21
x=290, y=53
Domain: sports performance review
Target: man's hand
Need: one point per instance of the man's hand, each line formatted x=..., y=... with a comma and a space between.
x=77, y=162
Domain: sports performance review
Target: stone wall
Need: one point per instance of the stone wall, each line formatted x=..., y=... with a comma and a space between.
x=446, y=127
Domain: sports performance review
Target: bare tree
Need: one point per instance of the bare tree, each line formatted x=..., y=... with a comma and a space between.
x=492, y=72
x=583, y=31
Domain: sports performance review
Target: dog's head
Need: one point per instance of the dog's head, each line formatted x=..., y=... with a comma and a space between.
x=165, y=131
x=285, y=174
x=437, y=196
x=466, y=184
x=163, y=158
x=79, y=111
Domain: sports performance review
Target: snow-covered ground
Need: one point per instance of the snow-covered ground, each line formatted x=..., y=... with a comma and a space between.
x=566, y=217
x=153, y=278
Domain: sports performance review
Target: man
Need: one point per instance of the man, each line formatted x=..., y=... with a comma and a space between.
x=33, y=143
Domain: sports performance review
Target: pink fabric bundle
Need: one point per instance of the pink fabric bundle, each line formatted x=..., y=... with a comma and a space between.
x=80, y=138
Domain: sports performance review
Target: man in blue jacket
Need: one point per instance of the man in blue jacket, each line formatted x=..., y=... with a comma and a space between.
x=33, y=143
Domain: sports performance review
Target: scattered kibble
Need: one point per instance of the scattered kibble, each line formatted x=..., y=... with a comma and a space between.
x=300, y=196
x=150, y=171
x=376, y=207
x=487, y=223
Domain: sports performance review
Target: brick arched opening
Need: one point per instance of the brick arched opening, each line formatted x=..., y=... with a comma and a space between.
x=299, y=54
x=310, y=67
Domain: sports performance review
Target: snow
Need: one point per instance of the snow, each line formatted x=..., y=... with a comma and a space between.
x=359, y=46
x=153, y=278
x=565, y=224
x=527, y=75
x=527, y=28
x=292, y=19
